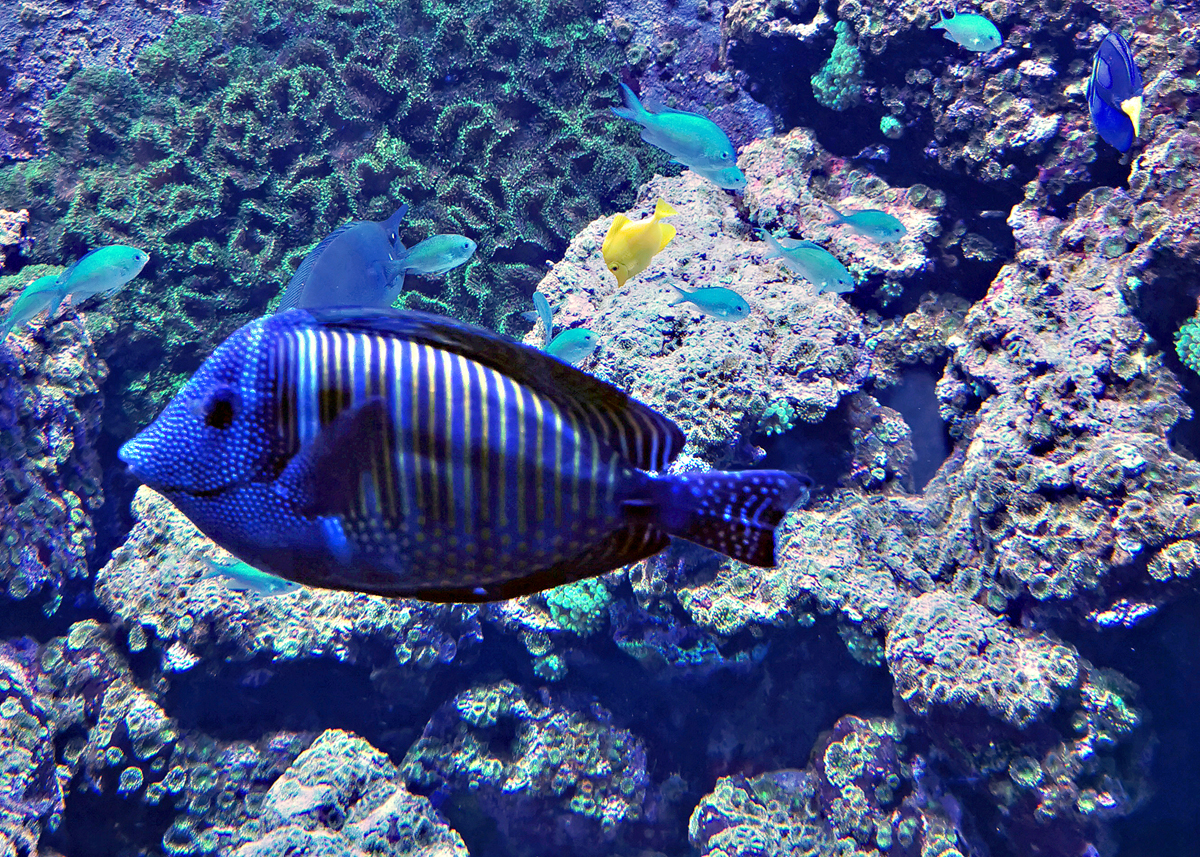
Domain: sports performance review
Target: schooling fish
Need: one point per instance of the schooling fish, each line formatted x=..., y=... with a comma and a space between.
x=243, y=577
x=99, y=272
x=546, y=315
x=631, y=244
x=812, y=262
x=877, y=225
x=1114, y=93
x=406, y=454
x=716, y=301
x=574, y=345
x=690, y=139
x=353, y=266
x=438, y=254
x=973, y=32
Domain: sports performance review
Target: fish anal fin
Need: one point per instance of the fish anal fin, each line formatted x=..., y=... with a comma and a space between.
x=645, y=438
x=627, y=545
x=668, y=232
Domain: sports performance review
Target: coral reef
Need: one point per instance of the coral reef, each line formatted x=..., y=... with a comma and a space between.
x=342, y=796
x=237, y=142
x=156, y=584
x=550, y=776
x=50, y=407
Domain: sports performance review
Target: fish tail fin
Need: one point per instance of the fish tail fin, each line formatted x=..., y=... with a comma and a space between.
x=633, y=108
x=732, y=513
x=683, y=296
x=839, y=217
x=662, y=209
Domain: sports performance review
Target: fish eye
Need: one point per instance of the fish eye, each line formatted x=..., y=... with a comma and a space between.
x=724, y=156
x=219, y=408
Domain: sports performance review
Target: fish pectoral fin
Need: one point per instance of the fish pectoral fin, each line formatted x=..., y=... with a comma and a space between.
x=323, y=477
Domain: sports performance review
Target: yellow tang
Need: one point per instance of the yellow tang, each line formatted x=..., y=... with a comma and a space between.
x=630, y=245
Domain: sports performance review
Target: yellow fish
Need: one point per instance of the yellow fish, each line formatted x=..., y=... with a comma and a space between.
x=630, y=245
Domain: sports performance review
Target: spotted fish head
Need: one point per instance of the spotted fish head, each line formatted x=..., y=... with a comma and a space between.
x=213, y=436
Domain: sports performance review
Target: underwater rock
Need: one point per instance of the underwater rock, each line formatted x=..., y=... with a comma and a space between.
x=553, y=777
x=50, y=405
x=157, y=583
x=342, y=796
x=714, y=378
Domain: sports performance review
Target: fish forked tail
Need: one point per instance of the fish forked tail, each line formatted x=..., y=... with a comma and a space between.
x=633, y=109
x=734, y=513
x=662, y=209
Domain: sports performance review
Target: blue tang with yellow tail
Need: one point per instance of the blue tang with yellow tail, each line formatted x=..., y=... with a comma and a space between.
x=406, y=454
x=1114, y=93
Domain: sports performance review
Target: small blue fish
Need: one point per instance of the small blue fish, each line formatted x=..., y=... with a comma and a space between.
x=437, y=255
x=243, y=577
x=691, y=139
x=100, y=271
x=726, y=178
x=573, y=346
x=354, y=266
x=871, y=223
x=411, y=455
x=811, y=262
x=546, y=315
x=874, y=153
x=1114, y=93
x=973, y=32
x=716, y=301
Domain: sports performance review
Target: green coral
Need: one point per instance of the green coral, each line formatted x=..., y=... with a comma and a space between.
x=238, y=143
x=1187, y=343
x=838, y=85
x=580, y=607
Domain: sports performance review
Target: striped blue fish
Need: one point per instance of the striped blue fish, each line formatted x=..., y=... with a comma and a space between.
x=405, y=454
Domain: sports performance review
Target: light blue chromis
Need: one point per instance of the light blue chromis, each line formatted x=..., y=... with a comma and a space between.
x=99, y=272
x=438, y=254
x=355, y=265
x=406, y=454
x=546, y=315
x=716, y=301
x=691, y=139
x=243, y=577
x=574, y=345
x=726, y=178
x=871, y=223
x=811, y=262
x=973, y=32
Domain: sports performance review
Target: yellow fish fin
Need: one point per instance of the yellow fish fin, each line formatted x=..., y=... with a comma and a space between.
x=619, y=223
x=668, y=232
x=663, y=209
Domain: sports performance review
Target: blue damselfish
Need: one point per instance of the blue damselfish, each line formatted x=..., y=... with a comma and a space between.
x=1114, y=93
x=406, y=454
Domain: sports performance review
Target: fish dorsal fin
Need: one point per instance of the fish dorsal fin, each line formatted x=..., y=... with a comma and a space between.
x=295, y=287
x=618, y=222
x=645, y=438
x=798, y=244
x=65, y=276
x=668, y=232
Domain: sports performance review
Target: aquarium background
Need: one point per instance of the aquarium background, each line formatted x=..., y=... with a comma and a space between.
x=982, y=635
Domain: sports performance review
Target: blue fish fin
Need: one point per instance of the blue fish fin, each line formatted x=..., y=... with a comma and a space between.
x=734, y=513
x=645, y=438
x=294, y=290
x=323, y=477
x=683, y=296
x=392, y=224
